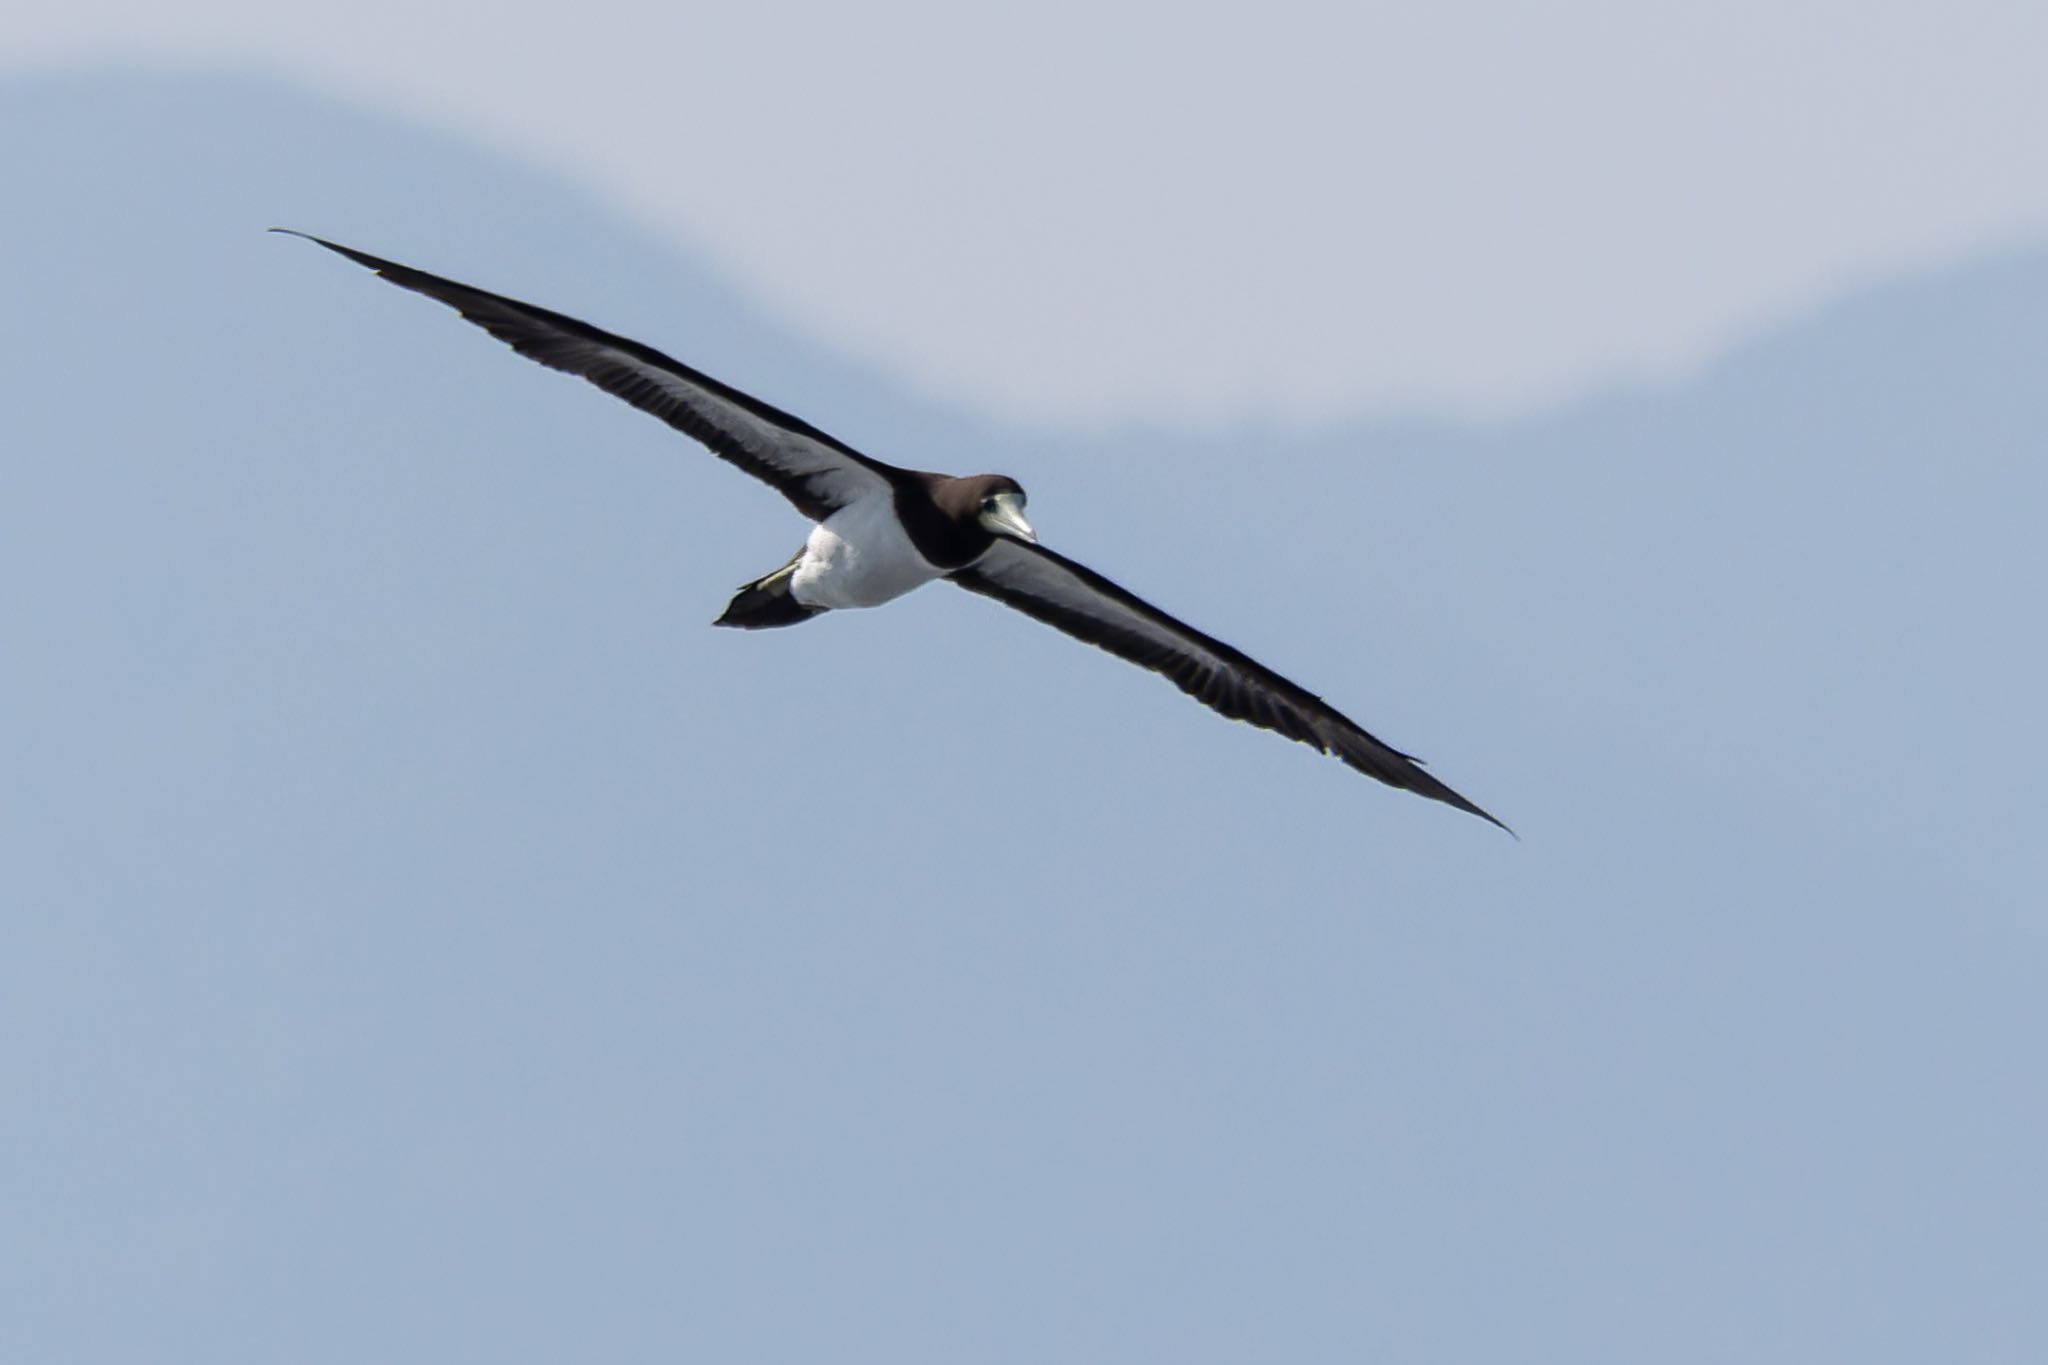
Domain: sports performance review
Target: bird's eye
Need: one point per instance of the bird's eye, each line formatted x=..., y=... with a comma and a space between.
x=988, y=504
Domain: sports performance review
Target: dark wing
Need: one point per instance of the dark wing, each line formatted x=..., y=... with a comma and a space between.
x=1089, y=607
x=814, y=471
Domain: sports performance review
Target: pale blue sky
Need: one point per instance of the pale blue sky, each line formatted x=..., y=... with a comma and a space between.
x=1183, y=212
x=424, y=939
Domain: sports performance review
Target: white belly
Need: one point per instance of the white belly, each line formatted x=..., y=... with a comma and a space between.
x=859, y=557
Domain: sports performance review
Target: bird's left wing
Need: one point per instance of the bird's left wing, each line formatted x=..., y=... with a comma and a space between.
x=814, y=471
x=1087, y=606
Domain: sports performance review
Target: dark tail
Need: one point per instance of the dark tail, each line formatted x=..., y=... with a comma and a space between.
x=766, y=602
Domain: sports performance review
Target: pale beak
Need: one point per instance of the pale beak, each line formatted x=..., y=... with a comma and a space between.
x=1005, y=518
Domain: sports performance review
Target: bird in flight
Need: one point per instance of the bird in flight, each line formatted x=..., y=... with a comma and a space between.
x=881, y=531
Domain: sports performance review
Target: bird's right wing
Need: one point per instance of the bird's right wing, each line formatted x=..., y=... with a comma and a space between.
x=814, y=471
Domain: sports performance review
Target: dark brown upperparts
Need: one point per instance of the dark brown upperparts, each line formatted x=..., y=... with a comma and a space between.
x=942, y=514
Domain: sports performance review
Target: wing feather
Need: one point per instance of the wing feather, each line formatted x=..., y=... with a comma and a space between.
x=1073, y=598
x=816, y=472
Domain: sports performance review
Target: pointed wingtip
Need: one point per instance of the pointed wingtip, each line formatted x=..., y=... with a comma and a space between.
x=1424, y=783
x=362, y=258
x=1470, y=808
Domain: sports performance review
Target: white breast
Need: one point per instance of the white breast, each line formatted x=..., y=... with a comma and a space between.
x=859, y=557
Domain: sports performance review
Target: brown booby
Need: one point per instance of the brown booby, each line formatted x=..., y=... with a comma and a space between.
x=881, y=531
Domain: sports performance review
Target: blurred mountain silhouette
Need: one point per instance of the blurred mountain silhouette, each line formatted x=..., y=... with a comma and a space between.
x=427, y=939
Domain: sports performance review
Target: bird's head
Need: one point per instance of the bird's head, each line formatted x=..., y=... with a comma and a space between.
x=999, y=507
